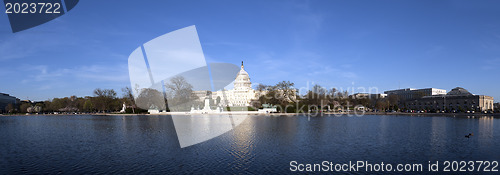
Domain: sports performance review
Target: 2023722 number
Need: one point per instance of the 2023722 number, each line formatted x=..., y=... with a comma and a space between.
x=470, y=166
x=32, y=7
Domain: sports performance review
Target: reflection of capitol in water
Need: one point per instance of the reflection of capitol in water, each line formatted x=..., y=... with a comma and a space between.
x=241, y=95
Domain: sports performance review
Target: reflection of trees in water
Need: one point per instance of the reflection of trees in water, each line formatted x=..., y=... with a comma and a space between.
x=180, y=94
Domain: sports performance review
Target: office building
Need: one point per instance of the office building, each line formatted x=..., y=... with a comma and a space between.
x=457, y=100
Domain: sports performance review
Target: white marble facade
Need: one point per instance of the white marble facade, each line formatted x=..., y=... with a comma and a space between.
x=241, y=95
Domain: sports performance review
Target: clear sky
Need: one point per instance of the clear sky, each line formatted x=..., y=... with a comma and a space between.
x=342, y=44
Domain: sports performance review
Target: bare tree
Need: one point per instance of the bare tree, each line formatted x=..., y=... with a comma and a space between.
x=179, y=87
x=180, y=94
x=287, y=90
x=150, y=99
x=262, y=87
x=129, y=97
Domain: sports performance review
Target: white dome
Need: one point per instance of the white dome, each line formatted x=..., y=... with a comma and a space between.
x=242, y=81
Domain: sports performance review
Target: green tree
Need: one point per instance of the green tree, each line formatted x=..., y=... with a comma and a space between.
x=10, y=108
x=88, y=106
x=24, y=107
x=104, y=99
x=57, y=104
x=393, y=101
x=381, y=105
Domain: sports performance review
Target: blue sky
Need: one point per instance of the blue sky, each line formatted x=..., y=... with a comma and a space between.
x=342, y=44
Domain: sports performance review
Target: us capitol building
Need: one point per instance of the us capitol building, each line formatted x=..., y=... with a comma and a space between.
x=241, y=95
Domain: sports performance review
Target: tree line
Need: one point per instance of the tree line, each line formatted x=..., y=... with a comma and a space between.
x=288, y=99
x=102, y=101
x=283, y=95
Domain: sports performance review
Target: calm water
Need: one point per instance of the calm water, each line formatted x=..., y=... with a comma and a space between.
x=260, y=145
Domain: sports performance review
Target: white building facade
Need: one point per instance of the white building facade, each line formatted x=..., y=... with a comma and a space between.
x=241, y=95
x=410, y=94
x=457, y=100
